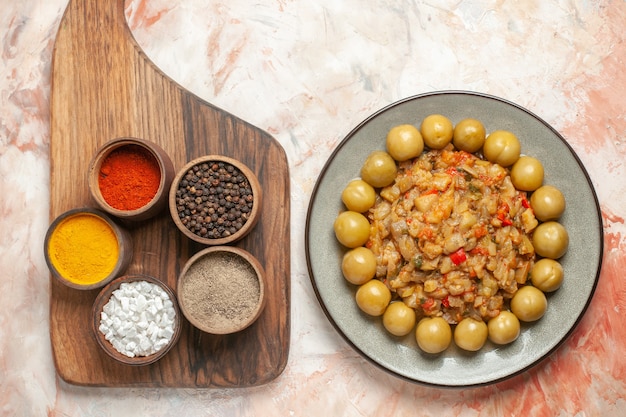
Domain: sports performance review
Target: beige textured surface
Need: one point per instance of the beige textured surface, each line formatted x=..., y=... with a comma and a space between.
x=307, y=72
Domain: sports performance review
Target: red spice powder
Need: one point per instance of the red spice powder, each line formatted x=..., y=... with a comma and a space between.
x=129, y=177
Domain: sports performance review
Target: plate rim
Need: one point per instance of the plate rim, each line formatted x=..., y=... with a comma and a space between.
x=323, y=172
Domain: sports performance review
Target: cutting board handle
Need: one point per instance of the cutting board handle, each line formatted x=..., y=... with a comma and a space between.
x=105, y=19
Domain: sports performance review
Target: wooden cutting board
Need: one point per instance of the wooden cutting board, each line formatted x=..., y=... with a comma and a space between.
x=104, y=87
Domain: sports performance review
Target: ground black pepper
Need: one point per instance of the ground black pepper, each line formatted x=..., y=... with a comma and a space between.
x=221, y=291
x=214, y=200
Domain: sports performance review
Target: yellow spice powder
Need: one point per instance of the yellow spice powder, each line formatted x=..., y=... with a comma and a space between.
x=83, y=249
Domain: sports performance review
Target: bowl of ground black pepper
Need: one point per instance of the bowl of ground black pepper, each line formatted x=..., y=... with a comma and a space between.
x=221, y=290
x=130, y=178
x=215, y=200
x=85, y=249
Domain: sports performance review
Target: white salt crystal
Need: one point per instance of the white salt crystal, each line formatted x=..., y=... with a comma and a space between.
x=138, y=319
x=140, y=302
x=166, y=333
x=145, y=344
x=160, y=344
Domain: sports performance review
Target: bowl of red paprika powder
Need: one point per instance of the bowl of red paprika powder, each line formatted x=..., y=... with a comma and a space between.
x=129, y=178
x=215, y=200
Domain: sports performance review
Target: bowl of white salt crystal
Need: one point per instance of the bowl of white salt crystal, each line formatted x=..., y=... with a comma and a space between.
x=221, y=290
x=136, y=319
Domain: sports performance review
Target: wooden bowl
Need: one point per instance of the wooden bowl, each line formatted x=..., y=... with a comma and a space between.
x=105, y=296
x=221, y=290
x=148, y=151
x=199, y=200
x=62, y=246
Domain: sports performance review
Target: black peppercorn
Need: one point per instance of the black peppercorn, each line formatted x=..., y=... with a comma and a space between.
x=214, y=199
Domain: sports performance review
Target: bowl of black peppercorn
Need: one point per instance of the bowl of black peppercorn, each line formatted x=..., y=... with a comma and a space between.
x=215, y=200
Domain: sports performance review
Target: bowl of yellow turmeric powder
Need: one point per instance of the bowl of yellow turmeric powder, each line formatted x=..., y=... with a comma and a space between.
x=85, y=249
x=129, y=178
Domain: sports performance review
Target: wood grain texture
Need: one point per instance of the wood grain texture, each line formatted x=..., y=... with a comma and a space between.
x=104, y=87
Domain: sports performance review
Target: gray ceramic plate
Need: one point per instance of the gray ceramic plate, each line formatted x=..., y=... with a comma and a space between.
x=454, y=368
